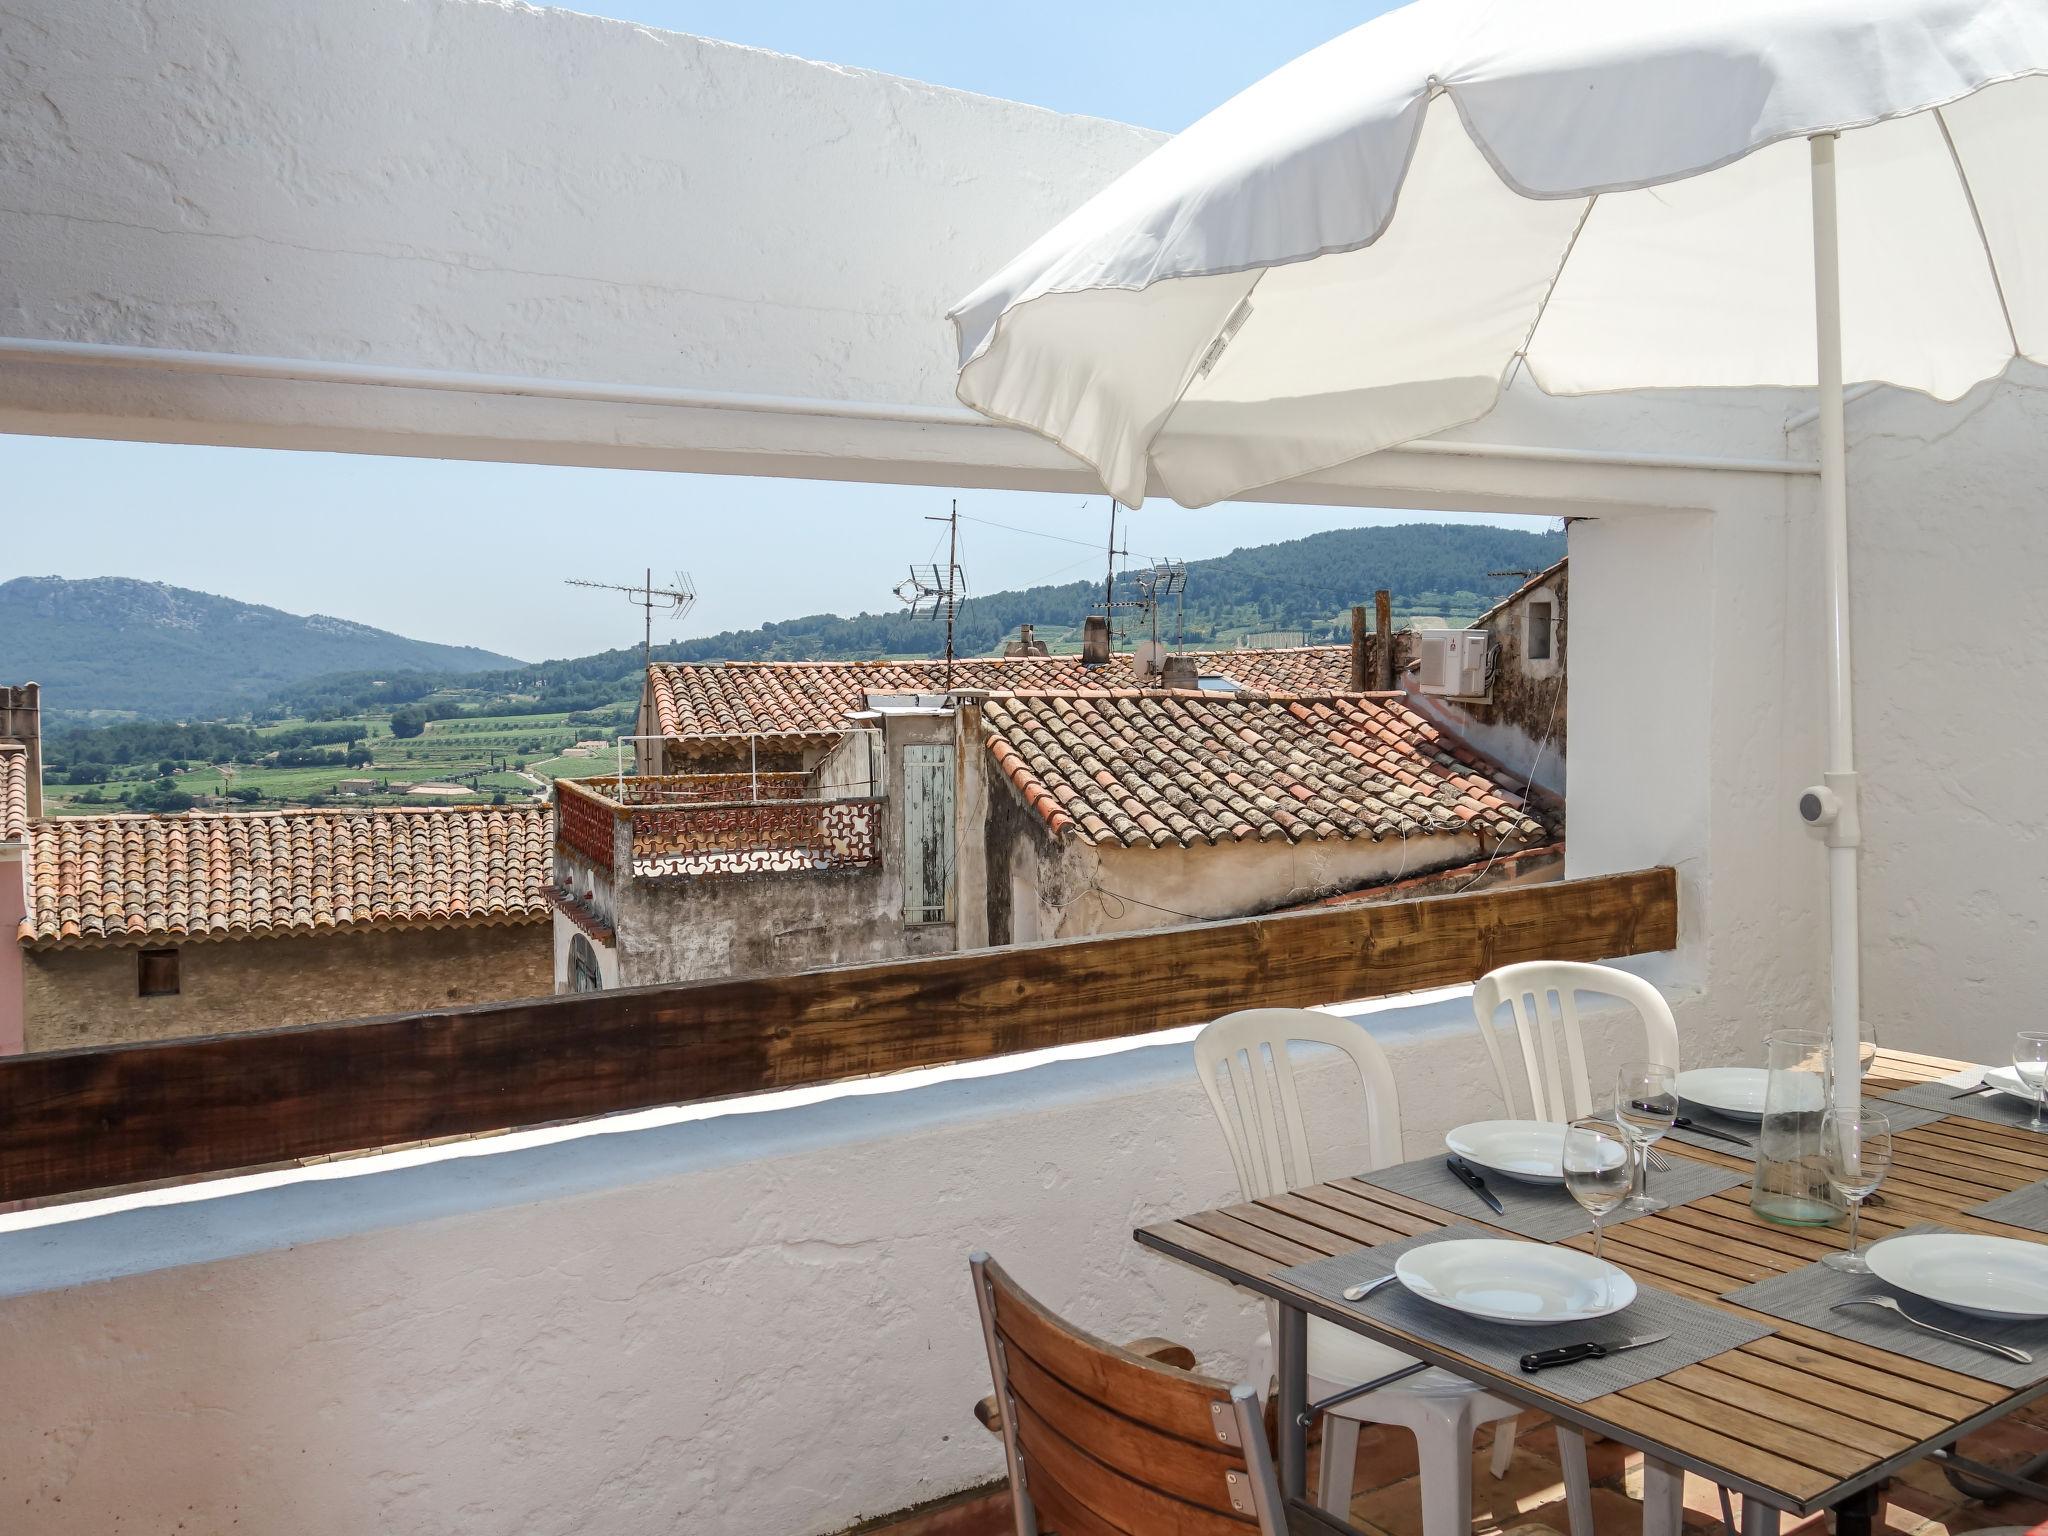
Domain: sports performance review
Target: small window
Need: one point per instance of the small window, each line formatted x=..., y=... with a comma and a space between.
x=1541, y=619
x=156, y=973
x=584, y=975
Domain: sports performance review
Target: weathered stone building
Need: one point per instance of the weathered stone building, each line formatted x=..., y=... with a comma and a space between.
x=1520, y=724
x=942, y=822
x=21, y=801
x=149, y=927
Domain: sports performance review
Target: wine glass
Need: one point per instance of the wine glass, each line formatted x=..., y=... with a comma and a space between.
x=1645, y=1102
x=2030, y=1060
x=1599, y=1169
x=1857, y=1147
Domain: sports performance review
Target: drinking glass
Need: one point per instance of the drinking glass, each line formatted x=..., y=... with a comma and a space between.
x=1599, y=1169
x=2030, y=1060
x=1866, y=1054
x=1857, y=1147
x=1645, y=1102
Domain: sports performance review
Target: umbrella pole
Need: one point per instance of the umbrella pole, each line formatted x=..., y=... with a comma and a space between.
x=1836, y=811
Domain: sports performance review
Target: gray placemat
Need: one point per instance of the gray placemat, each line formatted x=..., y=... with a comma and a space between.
x=1903, y=1117
x=1748, y=1130
x=2025, y=1207
x=1697, y=1331
x=1807, y=1295
x=1546, y=1212
x=1993, y=1108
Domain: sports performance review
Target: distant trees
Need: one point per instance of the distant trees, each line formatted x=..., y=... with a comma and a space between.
x=410, y=721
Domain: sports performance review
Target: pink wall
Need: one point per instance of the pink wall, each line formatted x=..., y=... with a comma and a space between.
x=13, y=904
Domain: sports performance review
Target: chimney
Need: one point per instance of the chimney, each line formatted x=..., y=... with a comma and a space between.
x=1358, y=667
x=1383, y=624
x=1180, y=672
x=21, y=719
x=1026, y=643
x=1095, y=641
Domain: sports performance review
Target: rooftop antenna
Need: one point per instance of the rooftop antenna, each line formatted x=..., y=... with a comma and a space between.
x=1161, y=580
x=678, y=599
x=925, y=584
x=1109, y=604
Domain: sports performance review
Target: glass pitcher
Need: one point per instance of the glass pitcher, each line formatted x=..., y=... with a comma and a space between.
x=1791, y=1184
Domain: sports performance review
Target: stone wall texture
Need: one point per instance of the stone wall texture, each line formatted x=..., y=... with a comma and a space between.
x=80, y=997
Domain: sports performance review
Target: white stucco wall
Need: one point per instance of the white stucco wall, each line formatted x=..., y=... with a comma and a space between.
x=757, y=1323
x=1949, y=567
x=483, y=186
x=1094, y=890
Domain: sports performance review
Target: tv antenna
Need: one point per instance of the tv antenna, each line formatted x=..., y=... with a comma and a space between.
x=1161, y=580
x=1109, y=603
x=678, y=600
x=928, y=584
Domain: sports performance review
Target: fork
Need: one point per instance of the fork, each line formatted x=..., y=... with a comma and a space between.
x=1659, y=1161
x=2018, y=1356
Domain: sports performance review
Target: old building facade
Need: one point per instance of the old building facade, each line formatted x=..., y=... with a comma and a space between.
x=1520, y=723
x=942, y=821
x=152, y=927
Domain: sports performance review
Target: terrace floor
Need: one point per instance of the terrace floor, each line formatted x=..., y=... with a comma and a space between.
x=1529, y=1501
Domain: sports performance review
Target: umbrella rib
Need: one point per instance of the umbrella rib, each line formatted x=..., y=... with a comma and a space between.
x=1529, y=337
x=1977, y=218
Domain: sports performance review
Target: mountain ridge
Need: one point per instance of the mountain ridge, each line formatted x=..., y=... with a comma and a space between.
x=119, y=645
x=1303, y=585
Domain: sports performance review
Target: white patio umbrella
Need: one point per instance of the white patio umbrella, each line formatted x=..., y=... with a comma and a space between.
x=1621, y=194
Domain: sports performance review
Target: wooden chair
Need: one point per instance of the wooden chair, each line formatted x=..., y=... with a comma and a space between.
x=1104, y=1441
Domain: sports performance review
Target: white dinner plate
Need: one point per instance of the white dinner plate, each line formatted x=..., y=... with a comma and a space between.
x=1999, y=1277
x=1737, y=1092
x=1506, y=1282
x=2008, y=1080
x=1529, y=1150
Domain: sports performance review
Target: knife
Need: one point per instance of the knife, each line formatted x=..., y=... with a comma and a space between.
x=1970, y=1093
x=1683, y=1124
x=1476, y=1184
x=1544, y=1359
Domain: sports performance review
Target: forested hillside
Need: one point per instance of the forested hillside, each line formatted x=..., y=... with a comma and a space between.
x=1305, y=586
x=141, y=647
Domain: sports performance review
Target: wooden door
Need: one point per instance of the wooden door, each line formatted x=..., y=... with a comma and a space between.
x=928, y=834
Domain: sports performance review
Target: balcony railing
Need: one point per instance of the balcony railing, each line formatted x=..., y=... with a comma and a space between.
x=93, y=1119
x=697, y=788
x=759, y=837
x=712, y=824
x=583, y=822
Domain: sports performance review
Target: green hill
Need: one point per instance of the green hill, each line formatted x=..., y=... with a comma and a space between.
x=1304, y=587
x=112, y=646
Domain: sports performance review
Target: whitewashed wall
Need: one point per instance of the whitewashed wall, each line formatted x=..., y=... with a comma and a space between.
x=1949, y=565
x=753, y=1324
x=483, y=186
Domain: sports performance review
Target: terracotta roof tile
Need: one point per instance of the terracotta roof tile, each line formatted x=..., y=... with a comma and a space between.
x=1192, y=768
x=235, y=874
x=13, y=792
x=813, y=698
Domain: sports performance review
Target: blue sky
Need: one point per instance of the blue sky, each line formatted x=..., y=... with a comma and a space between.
x=758, y=549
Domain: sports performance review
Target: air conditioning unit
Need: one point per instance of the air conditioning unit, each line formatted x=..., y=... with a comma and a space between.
x=1454, y=662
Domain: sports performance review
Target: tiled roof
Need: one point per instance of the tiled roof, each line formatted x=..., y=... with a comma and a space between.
x=13, y=792
x=1547, y=574
x=1160, y=769
x=235, y=874
x=813, y=698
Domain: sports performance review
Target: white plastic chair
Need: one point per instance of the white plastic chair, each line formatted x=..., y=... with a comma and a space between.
x=1544, y=995
x=1268, y=1139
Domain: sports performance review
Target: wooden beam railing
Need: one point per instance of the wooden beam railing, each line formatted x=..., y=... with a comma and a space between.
x=119, y=1115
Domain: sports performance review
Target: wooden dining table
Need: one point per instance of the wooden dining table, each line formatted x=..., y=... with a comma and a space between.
x=1797, y=1421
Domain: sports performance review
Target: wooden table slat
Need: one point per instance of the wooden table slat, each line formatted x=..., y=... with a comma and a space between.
x=1800, y=1416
